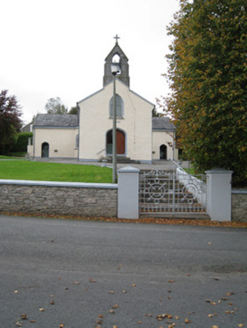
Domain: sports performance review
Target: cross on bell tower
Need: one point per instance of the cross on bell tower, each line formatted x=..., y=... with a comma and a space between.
x=123, y=62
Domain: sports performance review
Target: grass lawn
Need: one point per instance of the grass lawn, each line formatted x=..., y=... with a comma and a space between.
x=11, y=157
x=38, y=171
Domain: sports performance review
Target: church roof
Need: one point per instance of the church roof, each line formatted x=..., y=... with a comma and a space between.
x=162, y=124
x=56, y=120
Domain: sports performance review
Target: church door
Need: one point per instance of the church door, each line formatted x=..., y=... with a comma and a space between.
x=120, y=142
x=45, y=149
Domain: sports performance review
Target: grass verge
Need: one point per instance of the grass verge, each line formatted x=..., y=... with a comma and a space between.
x=38, y=171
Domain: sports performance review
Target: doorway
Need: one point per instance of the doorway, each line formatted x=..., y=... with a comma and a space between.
x=163, y=152
x=120, y=142
x=45, y=149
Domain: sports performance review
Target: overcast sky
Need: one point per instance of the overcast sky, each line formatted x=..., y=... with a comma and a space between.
x=57, y=48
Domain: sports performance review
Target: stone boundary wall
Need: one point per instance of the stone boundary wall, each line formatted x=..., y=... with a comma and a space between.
x=239, y=205
x=84, y=199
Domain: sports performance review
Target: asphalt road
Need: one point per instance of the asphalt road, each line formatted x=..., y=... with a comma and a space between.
x=75, y=274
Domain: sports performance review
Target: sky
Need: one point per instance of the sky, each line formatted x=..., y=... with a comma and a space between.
x=57, y=48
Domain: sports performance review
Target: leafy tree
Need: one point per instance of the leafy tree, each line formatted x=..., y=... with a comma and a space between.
x=73, y=110
x=10, y=122
x=155, y=113
x=55, y=106
x=208, y=78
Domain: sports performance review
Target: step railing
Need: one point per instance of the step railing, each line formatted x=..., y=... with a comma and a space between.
x=195, y=184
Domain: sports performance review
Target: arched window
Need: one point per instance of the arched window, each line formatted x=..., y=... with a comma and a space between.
x=119, y=107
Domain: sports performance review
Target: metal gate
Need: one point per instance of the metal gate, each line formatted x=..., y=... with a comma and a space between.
x=166, y=193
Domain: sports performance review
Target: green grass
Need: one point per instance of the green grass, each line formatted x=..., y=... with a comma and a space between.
x=191, y=171
x=10, y=157
x=19, y=155
x=38, y=171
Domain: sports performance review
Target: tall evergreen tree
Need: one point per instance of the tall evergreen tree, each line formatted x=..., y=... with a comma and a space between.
x=208, y=78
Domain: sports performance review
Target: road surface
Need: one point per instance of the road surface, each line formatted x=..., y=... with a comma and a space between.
x=76, y=274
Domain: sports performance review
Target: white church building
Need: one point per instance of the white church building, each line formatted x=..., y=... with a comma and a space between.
x=87, y=136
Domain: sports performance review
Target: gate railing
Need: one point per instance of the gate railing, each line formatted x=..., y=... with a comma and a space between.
x=177, y=192
x=165, y=194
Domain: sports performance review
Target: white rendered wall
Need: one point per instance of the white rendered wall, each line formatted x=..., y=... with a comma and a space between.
x=95, y=123
x=62, y=142
x=163, y=138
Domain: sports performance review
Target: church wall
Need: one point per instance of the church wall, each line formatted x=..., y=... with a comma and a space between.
x=95, y=122
x=62, y=142
x=93, y=125
x=163, y=138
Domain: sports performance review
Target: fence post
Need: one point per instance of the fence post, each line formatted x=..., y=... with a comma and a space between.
x=128, y=193
x=219, y=194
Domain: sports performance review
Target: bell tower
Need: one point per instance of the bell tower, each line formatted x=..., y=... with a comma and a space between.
x=118, y=55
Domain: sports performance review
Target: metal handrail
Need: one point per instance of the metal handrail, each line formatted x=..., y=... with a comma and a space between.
x=180, y=167
x=100, y=151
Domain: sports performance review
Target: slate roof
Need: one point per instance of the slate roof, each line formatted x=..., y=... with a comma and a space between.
x=71, y=120
x=56, y=120
x=162, y=124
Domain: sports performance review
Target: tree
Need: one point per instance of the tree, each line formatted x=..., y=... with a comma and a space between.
x=155, y=113
x=73, y=110
x=208, y=78
x=10, y=122
x=55, y=106
x=22, y=142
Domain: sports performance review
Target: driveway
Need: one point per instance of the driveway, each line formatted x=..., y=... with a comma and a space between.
x=65, y=273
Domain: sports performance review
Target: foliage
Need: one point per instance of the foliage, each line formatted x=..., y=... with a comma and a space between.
x=55, y=106
x=155, y=113
x=22, y=142
x=18, y=154
x=208, y=79
x=73, y=110
x=38, y=171
x=10, y=122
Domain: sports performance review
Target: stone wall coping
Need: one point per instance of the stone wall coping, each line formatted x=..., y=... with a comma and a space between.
x=239, y=191
x=59, y=184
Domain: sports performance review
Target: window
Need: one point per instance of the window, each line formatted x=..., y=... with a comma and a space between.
x=119, y=107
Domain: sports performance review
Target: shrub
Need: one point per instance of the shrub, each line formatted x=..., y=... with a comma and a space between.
x=22, y=142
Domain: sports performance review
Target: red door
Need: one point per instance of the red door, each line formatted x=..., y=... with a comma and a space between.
x=120, y=143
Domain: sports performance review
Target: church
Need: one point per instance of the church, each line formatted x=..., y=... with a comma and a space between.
x=88, y=135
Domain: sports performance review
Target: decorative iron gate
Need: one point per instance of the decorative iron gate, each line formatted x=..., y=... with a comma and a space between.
x=164, y=193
